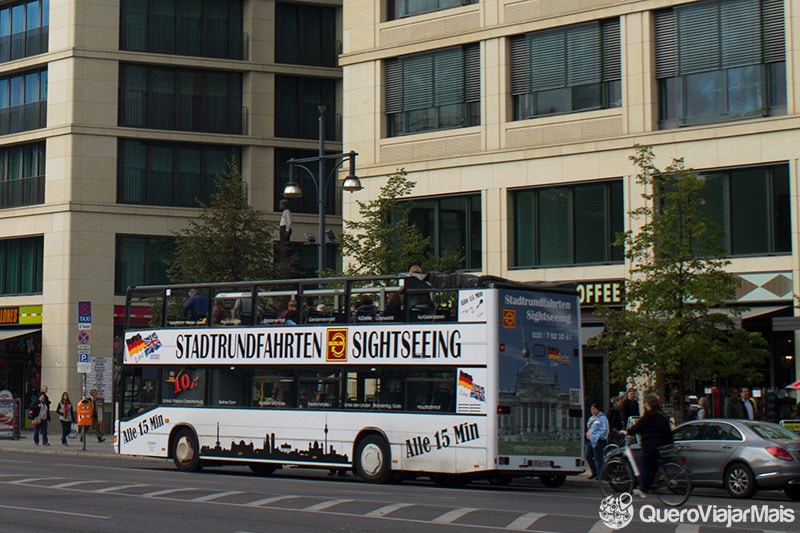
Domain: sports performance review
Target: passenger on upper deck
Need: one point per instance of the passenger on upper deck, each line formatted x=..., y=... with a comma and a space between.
x=418, y=301
x=366, y=310
x=196, y=307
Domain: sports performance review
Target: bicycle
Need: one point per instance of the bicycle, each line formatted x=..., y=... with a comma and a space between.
x=671, y=483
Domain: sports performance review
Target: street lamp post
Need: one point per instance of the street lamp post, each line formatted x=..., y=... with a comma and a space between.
x=351, y=182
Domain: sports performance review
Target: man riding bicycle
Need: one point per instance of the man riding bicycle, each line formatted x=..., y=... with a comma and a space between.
x=655, y=432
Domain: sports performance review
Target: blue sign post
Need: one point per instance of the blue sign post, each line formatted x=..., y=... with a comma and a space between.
x=85, y=315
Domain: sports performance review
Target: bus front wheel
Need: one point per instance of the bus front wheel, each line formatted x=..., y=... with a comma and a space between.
x=186, y=452
x=372, y=461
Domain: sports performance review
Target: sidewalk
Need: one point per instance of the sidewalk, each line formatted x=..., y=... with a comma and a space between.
x=75, y=447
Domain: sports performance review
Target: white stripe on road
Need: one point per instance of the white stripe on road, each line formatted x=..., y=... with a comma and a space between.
x=386, y=509
x=163, y=492
x=525, y=521
x=215, y=496
x=32, y=479
x=119, y=487
x=324, y=505
x=71, y=484
x=66, y=513
x=265, y=501
x=686, y=528
x=453, y=515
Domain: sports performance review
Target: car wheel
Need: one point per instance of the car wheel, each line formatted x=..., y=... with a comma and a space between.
x=739, y=481
x=792, y=492
x=185, y=451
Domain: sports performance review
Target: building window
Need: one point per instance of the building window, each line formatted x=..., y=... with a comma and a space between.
x=181, y=99
x=564, y=70
x=569, y=225
x=306, y=35
x=172, y=174
x=433, y=90
x=21, y=265
x=453, y=224
x=24, y=29
x=720, y=60
x=23, y=102
x=752, y=207
x=22, y=175
x=204, y=28
x=297, y=102
x=141, y=261
x=408, y=8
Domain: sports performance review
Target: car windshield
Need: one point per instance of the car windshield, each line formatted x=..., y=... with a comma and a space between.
x=773, y=432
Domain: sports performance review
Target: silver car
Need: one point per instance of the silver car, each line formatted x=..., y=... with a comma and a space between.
x=742, y=456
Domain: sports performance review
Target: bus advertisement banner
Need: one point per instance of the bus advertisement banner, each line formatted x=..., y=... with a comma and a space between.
x=540, y=375
x=418, y=344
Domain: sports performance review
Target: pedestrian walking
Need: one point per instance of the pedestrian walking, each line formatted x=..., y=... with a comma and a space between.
x=39, y=412
x=66, y=415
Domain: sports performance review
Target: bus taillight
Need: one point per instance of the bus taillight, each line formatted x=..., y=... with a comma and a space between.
x=503, y=409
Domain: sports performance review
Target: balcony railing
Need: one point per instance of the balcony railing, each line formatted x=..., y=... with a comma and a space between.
x=23, y=117
x=169, y=112
x=23, y=191
x=24, y=44
x=158, y=40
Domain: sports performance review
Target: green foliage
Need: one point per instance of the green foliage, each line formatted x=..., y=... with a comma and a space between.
x=676, y=327
x=231, y=241
x=383, y=242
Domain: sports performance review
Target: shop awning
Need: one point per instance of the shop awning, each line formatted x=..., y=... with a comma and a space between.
x=587, y=332
x=6, y=334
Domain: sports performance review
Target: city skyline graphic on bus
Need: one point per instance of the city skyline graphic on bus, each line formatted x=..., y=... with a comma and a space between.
x=316, y=452
x=540, y=374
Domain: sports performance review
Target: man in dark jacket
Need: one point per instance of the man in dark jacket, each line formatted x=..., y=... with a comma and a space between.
x=733, y=406
x=655, y=432
x=630, y=407
x=614, y=416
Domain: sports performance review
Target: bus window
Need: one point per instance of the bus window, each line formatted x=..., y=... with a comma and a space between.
x=183, y=386
x=140, y=393
x=431, y=390
x=273, y=387
x=319, y=389
x=228, y=386
x=375, y=388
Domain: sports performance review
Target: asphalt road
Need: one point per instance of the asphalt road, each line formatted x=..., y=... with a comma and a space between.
x=68, y=489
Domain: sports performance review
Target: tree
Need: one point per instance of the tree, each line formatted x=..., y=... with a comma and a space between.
x=231, y=241
x=383, y=241
x=676, y=326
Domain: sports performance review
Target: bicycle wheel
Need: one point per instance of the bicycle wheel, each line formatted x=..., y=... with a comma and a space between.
x=610, y=449
x=672, y=484
x=616, y=477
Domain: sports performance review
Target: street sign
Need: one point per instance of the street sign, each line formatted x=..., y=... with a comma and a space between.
x=84, y=314
x=84, y=363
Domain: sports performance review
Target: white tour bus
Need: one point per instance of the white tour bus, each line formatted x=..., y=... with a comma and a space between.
x=453, y=377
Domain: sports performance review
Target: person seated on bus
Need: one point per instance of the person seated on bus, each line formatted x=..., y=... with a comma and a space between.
x=243, y=310
x=392, y=310
x=196, y=306
x=417, y=289
x=366, y=310
x=218, y=315
x=319, y=314
x=289, y=316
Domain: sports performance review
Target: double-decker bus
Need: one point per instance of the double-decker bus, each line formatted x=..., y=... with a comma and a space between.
x=483, y=382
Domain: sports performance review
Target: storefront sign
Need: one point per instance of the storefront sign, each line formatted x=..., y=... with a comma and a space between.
x=24, y=314
x=604, y=292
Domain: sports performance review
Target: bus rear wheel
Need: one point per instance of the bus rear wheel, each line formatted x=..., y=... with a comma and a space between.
x=186, y=452
x=372, y=461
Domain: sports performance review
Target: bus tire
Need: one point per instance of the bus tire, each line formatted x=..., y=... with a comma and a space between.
x=372, y=461
x=186, y=451
x=262, y=469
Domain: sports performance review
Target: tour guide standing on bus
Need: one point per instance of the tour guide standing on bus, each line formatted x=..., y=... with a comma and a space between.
x=196, y=306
